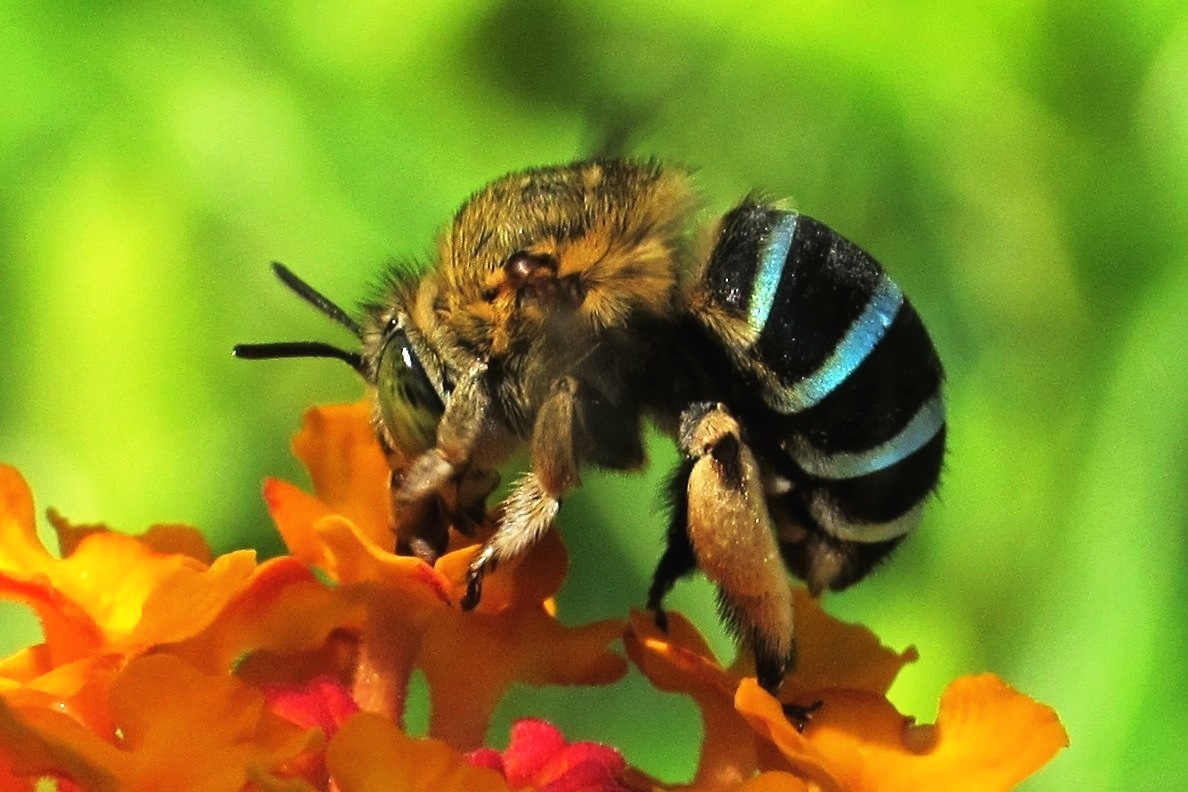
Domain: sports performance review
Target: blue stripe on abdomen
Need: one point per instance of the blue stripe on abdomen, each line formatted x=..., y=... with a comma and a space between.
x=859, y=341
x=923, y=426
x=772, y=258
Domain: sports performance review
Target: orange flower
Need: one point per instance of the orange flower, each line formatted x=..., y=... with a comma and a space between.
x=110, y=591
x=110, y=598
x=171, y=726
x=987, y=736
x=162, y=668
x=412, y=616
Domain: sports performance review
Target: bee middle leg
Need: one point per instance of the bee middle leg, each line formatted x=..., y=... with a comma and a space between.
x=730, y=532
x=562, y=437
x=678, y=558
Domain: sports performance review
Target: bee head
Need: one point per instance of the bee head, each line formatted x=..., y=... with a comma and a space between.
x=408, y=404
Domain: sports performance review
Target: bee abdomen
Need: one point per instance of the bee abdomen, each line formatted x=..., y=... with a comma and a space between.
x=847, y=376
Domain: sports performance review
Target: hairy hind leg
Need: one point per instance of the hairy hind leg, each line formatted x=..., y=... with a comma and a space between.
x=731, y=533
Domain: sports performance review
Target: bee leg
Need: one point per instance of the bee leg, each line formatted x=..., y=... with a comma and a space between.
x=420, y=515
x=731, y=533
x=678, y=558
x=800, y=715
x=530, y=509
x=527, y=514
x=470, y=499
x=429, y=532
x=822, y=561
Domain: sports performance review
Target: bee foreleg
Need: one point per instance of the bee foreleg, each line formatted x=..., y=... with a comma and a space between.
x=421, y=527
x=527, y=514
x=731, y=534
x=470, y=498
x=529, y=510
x=419, y=514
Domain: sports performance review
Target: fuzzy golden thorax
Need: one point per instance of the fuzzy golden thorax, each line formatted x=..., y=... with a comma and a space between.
x=608, y=236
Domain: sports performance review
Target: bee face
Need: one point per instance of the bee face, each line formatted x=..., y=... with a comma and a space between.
x=566, y=305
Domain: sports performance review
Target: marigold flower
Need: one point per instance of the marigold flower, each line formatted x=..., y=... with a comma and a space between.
x=164, y=668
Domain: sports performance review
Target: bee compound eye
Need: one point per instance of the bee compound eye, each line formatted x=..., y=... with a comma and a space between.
x=409, y=405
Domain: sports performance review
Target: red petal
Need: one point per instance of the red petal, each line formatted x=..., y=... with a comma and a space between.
x=323, y=703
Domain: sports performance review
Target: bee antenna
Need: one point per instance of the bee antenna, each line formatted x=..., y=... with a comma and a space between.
x=291, y=349
x=317, y=300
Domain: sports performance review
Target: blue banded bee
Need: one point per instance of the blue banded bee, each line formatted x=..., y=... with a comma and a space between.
x=567, y=305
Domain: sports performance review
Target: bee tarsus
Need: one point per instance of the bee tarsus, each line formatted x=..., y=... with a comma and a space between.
x=800, y=715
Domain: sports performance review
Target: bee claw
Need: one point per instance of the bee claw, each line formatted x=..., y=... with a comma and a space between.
x=483, y=563
x=800, y=715
x=474, y=593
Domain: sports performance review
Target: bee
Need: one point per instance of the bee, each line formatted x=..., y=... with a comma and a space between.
x=568, y=305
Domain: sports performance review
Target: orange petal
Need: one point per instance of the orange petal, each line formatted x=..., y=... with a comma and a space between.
x=369, y=754
x=832, y=653
x=138, y=596
x=524, y=582
x=188, y=597
x=177, y=539
x=179, y=725
x=172, y=728
x=39, y=742
x=70, y=633
x=122, y=591
x=295, y=512
x=21, y=552
x=24, y=665
x=284, y=609
x=352, y=556
x=337, y=445
x=774, y=781
x=680, y=661
x=987, y=736
x=471, y=659
x=78, y=689
x=168, y=539
x=766, y=717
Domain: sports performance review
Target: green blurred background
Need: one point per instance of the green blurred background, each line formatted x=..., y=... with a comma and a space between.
x=1021, y=168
